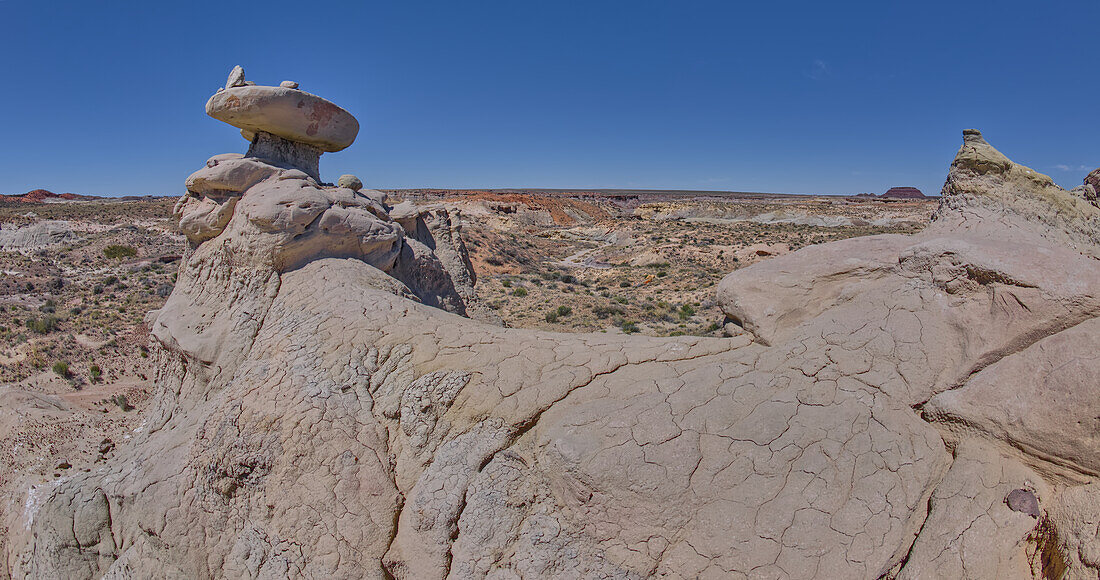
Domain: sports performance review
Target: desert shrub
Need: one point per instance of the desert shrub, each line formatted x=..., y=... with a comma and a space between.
x=662, y=274
x=676, y=333
x=686, y=312
x=564, y=310
x=507, y=283
x=115, y=251
x=520, y=292
x=37, y=359
x=122, y=402
x=110, y=280
x=164, y=290
x=624, y=284
x=552, y=316
x=49, y=307
x=61, y=369
x=621, y=300
x=43, y=325
x=569, y=279
x=94, y=372
x=629, y=327
x=602, y=312
x=713, y=327
x=98, y=289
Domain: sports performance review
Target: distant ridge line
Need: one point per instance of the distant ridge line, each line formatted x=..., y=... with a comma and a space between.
x=628, y=192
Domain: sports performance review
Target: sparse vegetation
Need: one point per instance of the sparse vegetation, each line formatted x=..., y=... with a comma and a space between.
x=43, y=325
x=122, y=402
x=115, y=252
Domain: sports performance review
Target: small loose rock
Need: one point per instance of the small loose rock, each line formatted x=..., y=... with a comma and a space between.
x=1023, y=501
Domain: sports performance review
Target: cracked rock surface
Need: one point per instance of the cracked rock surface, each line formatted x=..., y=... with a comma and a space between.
x=319, y=413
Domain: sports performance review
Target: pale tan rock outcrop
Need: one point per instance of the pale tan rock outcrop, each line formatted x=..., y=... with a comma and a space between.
x=314, y=421
x=985, y=186
x=287, y=112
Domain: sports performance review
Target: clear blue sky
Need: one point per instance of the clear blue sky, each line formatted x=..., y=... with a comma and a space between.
x=822, y=97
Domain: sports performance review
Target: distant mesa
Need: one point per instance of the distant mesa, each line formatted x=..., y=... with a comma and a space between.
x=904, y=193
x=895, y=193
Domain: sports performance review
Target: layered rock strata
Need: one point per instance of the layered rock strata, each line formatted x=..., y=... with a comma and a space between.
x=898, y=407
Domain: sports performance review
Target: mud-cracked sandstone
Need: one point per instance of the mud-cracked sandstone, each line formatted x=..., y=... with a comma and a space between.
x=897, y=406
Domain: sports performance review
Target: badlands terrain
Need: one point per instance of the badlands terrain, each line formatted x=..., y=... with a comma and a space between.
x=646, y=263
x=300, y=379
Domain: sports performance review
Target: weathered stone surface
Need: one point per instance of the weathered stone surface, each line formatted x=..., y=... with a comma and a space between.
x=350, y=181
x=285, y=153
x=1045, y=399
x=37, y=235
x=286, y=112
x=1072, y=542
x=236, y=78
x=314, y=420
x=983, y=185
x=971, y=531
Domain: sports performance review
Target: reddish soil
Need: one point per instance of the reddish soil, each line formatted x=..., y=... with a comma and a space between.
x=41, y=195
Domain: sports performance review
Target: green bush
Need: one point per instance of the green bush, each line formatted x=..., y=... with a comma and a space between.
x=624, y=284
x=115, y=252
x=43, y=325
x=94, y=372
x=507, y=283
x=521, y=292
x=564, y=310
x=629, y=327
x=552, y=316
x=61, y=369
x=686, y=312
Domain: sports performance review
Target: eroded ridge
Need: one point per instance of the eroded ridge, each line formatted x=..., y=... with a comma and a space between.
x=898, y=407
